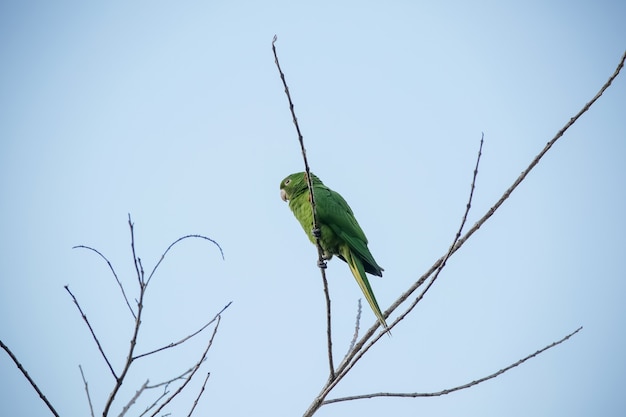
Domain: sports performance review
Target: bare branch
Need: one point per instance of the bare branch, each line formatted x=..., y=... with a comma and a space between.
x=132, y=246
x=134, y=399
x=442, y=264
x=352, y=357
x=166, y=384
x=133, y=342
x=141, y=272
x=355, y=355
x=329, y=336
x=86, y=390
x=437, y=265
x=93, y=334
x=174, y=243
x=458, y=388
x=30, y=380
x=119, y=283
x=195, y=369
x=169, y=381
x=154, y=404
x=357, y=323
x=321, y=262
x=143, y=284
x=183, y=340
x=195, y=403
x=510, y=190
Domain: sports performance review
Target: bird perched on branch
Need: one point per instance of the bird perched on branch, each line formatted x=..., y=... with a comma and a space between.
x=339, y=233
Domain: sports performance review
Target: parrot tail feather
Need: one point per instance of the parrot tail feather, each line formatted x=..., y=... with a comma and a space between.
x=358, y=270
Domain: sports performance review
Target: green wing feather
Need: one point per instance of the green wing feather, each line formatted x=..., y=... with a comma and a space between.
x=348, y=241
x=334, y=211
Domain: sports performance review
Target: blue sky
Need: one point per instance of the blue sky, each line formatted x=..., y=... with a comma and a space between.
x=175, y=114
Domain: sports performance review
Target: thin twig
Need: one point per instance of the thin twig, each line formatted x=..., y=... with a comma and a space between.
x=32, y=383
x=86, y=390
x=169, y=381
x=119, y=283
x=174, y=243
x=154, y=404
x=141, y=272
x=134, y=398
x=321, y=262
x=143, y=284
x=450, y=390
x=350, y=360
x=132, y=246
x=503, y=198
x=176, y=378
x=510, y=190
x=195, y=403
x=357, y=323
x=133, y=341
x=457, y=236
x=317, y=402
x=93, y=334
x=195, y=368
x=329, y=336
x=131, y=350
x=183, y=340
x=166, y=384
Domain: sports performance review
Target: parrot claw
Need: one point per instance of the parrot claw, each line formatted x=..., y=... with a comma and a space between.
x=321, y=264
x=317, y=232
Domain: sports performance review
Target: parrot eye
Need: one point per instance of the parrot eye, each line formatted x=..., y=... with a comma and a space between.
x=287, y=181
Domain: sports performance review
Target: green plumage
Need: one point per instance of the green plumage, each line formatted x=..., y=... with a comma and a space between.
x=341, y=235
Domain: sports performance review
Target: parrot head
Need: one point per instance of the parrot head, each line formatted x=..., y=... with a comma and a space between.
x=295, y=184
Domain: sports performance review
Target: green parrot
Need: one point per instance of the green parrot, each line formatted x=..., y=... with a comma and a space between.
x=340, y=234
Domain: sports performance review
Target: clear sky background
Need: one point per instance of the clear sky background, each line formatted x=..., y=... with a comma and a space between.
x=174, y=113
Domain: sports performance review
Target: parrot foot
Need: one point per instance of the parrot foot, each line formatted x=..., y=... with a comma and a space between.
x=321, y=264
x=317, y=233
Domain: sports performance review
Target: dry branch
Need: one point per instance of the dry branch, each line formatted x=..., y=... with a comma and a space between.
x=184, y=339
x=93, y=334
x=174, y=243
x=119, y=283
x=30, y=380
x=321, y=262
x=437, y=265
x=195, y=403
x=195, y=369
x=133, y=399
x=131, y=357
x=362, y=346
x=357, y=324
x=86, y=390
x=450, y=390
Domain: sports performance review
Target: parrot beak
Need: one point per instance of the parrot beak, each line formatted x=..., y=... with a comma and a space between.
x=283, y=195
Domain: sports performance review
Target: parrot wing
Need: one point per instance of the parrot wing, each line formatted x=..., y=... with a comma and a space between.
x=335, y=212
